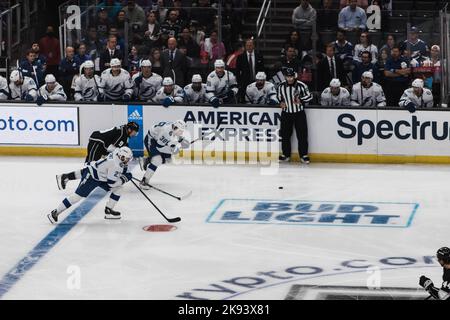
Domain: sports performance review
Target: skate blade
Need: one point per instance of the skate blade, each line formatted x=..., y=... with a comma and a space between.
x=50, y=218
x=112, y=218
x=58, y=182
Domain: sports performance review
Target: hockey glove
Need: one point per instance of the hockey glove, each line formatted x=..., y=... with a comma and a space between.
x=230, y=95
x=126, y=97
x=184, y=143
x=126, y=177
x=273, y=102
x=426, y=283
x=40, y=100
x=175, y=148
x=411, y=107
x=215, y=102
x=168, y=101
x=100, y=97
x=138, y=81
x=29, y=98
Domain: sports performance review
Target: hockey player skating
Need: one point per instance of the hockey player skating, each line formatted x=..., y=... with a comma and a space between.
x=116, y=82
x=368, y=93
x=51, y=91
x=416, y=97
x=196, y=91
x=162, y=141
x=221, y=85
x=21, y=88
x=335, y=95
x=101, y=143
x=110, y=174
x=146, y=83
x=261, y=91
x=87, y=86
x=169, y=94
x=443, y=257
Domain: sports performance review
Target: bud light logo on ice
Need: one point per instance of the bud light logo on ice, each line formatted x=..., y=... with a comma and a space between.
x=314, y=213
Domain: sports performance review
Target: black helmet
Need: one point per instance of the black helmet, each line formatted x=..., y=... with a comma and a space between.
x=290, y=72
x=444, y=254
x=133, y=126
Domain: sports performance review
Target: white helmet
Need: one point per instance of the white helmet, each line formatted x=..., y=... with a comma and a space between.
x=146, y=63
x=167, y=81
x=88, y=64
x=197, y=78
x=418, y=83
x=180, y=126
x=115, y=63
x=50, y=78
x=219, y=64
x=368, y=74
x=125, y=154
x=335, y=83
x=15, y=76
x=261, y=76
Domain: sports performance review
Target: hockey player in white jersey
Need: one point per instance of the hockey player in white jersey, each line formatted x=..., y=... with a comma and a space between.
x=221, y=85
x=110, y=174
x=146, y=83
x=196, y=91
x=261, y=91
x=169, y=94
x=416, y=97
x=4, y=92
x=162, y=141
x=368, y=93
x=51, y=91
x=335, y=95
x=87, y=85
x=20, y=87
x=116, y=83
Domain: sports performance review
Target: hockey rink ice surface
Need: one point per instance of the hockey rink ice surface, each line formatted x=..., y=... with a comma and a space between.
x=333, y=230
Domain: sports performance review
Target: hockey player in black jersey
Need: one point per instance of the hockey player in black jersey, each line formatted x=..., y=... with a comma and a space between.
x=101, y=143
x=443, y=256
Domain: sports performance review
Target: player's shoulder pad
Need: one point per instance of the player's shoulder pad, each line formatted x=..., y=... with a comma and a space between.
x=212, y=75
x=345, y=91
x=107, y=71
x=135, y=76
x=427, y=91
x=326, y=90
x=125, y=72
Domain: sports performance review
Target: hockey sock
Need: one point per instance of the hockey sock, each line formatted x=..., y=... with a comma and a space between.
x=67, y=203
x=113, y=199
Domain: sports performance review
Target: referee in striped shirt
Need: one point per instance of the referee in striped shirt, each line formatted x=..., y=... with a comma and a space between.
x=293, y=95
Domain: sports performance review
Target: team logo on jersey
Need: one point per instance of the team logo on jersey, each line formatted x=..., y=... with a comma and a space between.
x=314, y=213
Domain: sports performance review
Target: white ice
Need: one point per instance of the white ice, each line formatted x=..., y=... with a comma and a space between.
x=118, y=260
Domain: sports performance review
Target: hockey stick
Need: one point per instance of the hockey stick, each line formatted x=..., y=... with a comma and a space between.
x=171, y=220
x=167, y=193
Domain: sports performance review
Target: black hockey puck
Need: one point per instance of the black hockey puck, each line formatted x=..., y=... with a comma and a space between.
x=280, y=187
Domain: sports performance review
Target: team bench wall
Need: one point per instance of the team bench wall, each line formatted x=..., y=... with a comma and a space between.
x=387, y=135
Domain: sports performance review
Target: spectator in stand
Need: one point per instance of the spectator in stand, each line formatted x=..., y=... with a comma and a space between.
x=109, y=53
x=120, y=23
x=193, y=49
x=113, y=31
x=342, y=47
x=39, y=57
x=102, y=24
x=214, y=48
x=327, y=19
x=68, y=68
x=365, y=45
x=155, y=58
x=384, y=56
x=417, y=47
x=304, y=16
x=248, y=65
x=397, y=72
x=93, y=44
x=352, y=18
x=197, y=35
x=174, y=63
x=112, y=8
x=29, y=67
x=182, y=13
x=361, y=3
x=50, y=91
x=153, y=31
x=203, y=14
x=232, y=58
x=50, y=49
x=330, y=68
x=136, y=18
x=293, y=41
x=363, y=66
x=291, y=60
x=133, y=61
x=390, y=43
x=172, y=26
x=82, y=56
x=161, y=11
x=435, y=62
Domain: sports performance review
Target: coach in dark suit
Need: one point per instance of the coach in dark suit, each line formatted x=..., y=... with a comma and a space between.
x=248, y=64
x=109, y=53
x=174, y=63
x=330, y=67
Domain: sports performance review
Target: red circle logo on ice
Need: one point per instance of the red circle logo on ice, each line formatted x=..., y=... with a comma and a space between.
x=160, y=228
